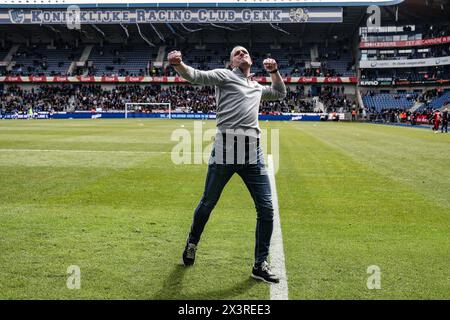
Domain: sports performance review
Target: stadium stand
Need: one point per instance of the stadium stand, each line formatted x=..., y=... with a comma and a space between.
x=185, y=98
x=121, y=60
x=383, y=101
x=206, y=58
x=138, y=60
x=337, y=60
x=439, y=100
x=43, y=60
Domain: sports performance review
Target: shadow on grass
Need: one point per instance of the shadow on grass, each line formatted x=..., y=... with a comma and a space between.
x=173, y=286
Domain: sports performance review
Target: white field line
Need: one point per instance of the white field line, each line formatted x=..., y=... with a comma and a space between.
x=278, y=291
x=92, y=151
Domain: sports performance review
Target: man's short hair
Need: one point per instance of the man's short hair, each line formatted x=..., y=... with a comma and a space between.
x=231, y=53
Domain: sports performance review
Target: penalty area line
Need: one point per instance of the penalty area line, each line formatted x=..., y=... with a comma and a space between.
x=93, y=151
x=278, y=291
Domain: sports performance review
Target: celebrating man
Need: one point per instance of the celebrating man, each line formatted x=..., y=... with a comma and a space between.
x=237, y=139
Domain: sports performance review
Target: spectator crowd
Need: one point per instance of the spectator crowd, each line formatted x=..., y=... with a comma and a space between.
x=183, y=98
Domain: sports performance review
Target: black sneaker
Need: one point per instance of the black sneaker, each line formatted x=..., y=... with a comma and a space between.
x=189, y=254
x=263, y=273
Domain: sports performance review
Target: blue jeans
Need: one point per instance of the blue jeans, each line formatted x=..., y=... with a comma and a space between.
x=255, y=177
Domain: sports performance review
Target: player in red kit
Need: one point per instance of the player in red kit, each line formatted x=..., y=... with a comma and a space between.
x=436, y=121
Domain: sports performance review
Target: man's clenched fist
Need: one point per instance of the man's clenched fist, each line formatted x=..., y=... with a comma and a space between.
x=174, y=57
x=270, y=64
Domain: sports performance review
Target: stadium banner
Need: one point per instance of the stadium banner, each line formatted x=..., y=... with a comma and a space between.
x=401, y=82
x=423, y=118
x=198, y=15
x=128, y=79
x=420, y=82
x=25, y=115
x=369, y=83
x=407, y=43
x=407, y=63
x=377, y=82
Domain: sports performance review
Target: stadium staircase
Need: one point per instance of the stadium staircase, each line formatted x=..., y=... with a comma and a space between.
x=84, y=57
x=319, y=106
x=9, y=56
x=416, y=106
x=11, y=53
x=71, y=107
x=360, y=99
x=160, y=57
x=86, y=53
x=314, y=51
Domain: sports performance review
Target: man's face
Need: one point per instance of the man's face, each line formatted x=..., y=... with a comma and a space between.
x=240, y=58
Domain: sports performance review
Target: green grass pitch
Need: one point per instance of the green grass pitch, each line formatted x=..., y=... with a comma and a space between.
x=104, y=195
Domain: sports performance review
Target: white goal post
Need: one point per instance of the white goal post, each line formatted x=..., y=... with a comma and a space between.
x=128, y=106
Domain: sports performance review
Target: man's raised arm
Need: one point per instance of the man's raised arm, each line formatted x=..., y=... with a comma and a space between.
x=278, y=88
x=212, y=77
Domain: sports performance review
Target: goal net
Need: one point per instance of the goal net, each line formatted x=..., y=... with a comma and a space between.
x=133, y=109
